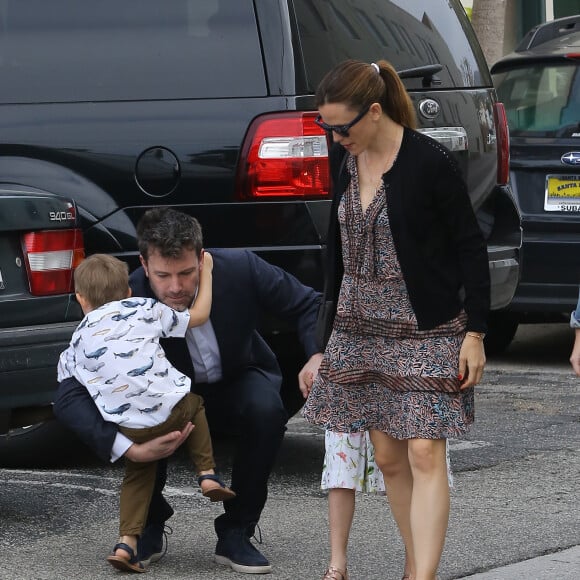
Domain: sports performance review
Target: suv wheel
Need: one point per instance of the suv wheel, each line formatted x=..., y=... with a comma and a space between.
x=44, y=444
x=502, y=327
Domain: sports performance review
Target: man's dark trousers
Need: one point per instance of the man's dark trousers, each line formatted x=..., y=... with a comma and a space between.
x=251, y=407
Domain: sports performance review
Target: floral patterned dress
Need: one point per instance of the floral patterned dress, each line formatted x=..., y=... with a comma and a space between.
x=379, y=370
x=349, y=463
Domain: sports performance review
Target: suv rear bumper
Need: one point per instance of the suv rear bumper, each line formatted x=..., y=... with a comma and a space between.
x=503, y=273
x=28, y=363
x=549, y=274
x=502, y=224
x=545, y=298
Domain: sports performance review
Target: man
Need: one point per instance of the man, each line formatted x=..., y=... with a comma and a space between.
x=230, y=365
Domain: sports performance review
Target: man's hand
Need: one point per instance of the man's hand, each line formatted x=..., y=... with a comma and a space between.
x=308, y=373
x=575, y=356
x=158, y=448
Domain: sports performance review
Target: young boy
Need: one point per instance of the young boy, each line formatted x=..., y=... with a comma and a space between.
x=115, y=353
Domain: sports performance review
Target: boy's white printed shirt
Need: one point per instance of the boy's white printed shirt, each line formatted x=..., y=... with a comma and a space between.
x=115, y=353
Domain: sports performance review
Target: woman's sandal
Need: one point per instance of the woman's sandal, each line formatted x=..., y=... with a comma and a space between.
x=335, y=574
x=218, y=493
x=130, y=564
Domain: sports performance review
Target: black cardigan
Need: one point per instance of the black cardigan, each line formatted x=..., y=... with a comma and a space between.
x=440, y=247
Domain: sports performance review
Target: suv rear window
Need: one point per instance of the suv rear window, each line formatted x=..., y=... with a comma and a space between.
x=541, y=100
x=408, y=34
x=66, y=50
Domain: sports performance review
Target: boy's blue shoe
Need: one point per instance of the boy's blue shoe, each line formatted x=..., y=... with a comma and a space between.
x=152, y=544
x=234, y=549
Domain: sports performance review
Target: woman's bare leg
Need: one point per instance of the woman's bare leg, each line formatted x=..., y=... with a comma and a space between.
x=429, y=513
x=391, y=456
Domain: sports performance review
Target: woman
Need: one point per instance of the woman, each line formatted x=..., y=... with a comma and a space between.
x=575, y=324
x=406, y=347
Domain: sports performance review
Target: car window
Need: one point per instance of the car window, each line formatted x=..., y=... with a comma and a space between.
x=66, y=50
x=541, y=99
x=408, y=34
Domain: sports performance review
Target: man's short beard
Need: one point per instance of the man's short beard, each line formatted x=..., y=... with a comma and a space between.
x=184, y=308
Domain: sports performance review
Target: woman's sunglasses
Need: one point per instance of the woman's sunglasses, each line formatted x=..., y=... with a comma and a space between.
x=342, y=130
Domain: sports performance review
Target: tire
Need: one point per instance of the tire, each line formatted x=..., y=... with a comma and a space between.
x=502, y=328
x=47, y=444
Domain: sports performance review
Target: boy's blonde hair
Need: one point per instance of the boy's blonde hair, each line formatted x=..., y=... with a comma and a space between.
x=101, y=278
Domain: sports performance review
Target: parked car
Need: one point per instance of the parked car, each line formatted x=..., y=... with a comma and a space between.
x=209, y=107
x=539, y=85
x=40, y=245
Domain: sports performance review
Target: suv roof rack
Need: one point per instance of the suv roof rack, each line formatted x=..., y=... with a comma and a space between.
x=549, y=31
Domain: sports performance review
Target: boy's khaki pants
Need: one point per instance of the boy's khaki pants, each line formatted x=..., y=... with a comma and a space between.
x=139, y=480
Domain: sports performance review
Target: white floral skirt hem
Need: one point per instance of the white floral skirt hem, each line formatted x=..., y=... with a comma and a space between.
x=349, y=463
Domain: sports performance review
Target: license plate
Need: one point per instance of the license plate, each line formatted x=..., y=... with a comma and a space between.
x=562, y=193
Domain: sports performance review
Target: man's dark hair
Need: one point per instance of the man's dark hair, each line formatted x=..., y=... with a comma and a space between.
x=168, y=232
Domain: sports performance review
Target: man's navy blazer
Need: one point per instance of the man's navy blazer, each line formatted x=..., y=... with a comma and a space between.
x=244, y=288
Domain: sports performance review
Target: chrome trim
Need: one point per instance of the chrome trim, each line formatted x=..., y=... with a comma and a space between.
x=429, y=108
x=507, y=263
x=454, y=138
x=571, y=158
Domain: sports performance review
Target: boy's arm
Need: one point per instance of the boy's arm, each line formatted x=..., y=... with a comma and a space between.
x=66, y=364
x=200, y=309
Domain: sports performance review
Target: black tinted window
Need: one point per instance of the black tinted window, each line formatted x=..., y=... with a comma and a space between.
x=406, y=33
x=69, y=50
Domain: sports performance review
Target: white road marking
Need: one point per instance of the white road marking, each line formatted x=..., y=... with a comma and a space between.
x=461, y=445
x=186, y=491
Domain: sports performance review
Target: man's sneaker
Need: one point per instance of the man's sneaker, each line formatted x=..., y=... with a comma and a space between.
x=234, y=549
x=152, y=544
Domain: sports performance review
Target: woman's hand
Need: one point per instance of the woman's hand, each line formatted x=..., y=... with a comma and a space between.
x=471, y=361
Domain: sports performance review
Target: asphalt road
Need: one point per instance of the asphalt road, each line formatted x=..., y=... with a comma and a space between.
x=515, y=498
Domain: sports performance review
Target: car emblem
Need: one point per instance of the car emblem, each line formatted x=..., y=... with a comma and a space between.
x=2, y=286
x=429, y=108
x=571, y=158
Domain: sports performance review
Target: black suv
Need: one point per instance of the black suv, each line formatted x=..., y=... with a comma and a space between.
x=539, y=84
x=209, y=107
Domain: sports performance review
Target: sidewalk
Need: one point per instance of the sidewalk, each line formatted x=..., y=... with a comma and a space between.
x=564, y=565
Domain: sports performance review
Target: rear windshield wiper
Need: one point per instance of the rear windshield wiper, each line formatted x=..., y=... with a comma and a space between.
x=426, y=72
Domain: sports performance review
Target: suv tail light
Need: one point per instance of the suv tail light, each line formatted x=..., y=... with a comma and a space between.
x=283, y=155
x=51, y=257
x=503, y=143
